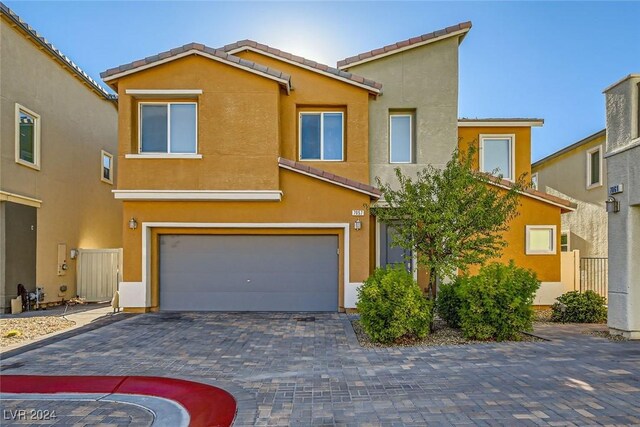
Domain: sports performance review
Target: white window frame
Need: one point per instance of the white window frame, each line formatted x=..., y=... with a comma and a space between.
x=168, y=153
x=537, y=180
x=568, y=234
x=322, y=113
x=391, y=115
x=512, y=143
x=589, y=153
x=554, y=239
x=36, y=137
x=104, y=154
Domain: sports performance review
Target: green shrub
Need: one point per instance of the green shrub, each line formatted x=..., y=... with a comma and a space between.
x=448, y=303
x=497, y=303
x=576, y=307
x=391, y=305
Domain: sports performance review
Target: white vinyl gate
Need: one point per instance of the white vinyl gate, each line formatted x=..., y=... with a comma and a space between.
x=98, y=273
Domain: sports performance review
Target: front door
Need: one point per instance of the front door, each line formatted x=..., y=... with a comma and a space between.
x=390, y=254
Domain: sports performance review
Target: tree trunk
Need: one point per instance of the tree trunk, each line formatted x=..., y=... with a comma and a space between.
x=433, y=284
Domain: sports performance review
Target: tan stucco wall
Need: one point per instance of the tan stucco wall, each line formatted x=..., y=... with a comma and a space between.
x=77, y=207
x=424, y=80
x=304, y=201
x=566, y=176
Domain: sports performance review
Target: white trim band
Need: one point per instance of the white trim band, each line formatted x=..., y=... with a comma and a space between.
x=215, y=195
x=506, y=123
x=140, y=93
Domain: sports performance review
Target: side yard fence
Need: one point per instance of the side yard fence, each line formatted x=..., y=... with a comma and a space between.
x=593, y=275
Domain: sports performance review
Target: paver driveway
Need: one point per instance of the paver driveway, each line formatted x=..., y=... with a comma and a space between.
x=289, y=372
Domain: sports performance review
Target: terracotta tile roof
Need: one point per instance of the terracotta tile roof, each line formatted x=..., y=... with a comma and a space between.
x=500, y=119
x=564, y=204
x=315, y=66
x=196, y=47
x=329, y=177
x=405, y=44
x=55, y=53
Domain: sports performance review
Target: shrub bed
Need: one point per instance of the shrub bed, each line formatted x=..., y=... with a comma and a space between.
x=392, y=306
x=496, y=304
x=576, y=307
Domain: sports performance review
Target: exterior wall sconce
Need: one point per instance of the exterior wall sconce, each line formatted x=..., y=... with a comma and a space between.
x=612, y=205
x=357, y=225
x=133, y=224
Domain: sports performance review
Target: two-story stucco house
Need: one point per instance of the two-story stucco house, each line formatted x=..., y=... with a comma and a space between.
x=244, y=173
x=415, y=124
x=623, y=177
x=586, y=228
x=58, y=131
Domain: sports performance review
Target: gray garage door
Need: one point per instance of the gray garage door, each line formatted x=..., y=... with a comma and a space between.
x=248, y=273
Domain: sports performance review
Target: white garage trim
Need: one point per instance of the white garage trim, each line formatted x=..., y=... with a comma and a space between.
x=146, y=249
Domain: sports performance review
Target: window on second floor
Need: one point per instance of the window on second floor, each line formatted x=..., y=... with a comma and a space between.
x=400, y=138
x=322, y=136
x=168, y=128
x=594, y=167
x=497, y=155
x=534, y=181
x=27, y=137
x=106, y=168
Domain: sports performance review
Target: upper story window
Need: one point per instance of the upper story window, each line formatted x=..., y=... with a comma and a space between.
x=400, y=138
x=497, y=155
x=106, y=169
x=168, y=128
x=27, y=137
x=594, y=167
x=322, y=136
x=534, y=181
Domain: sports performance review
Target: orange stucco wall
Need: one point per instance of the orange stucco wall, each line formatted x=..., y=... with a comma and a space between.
x=471, y=136
x=305, y=200
x=238, y=129
x=530, y=212
x=312, y=91
x=245, y=122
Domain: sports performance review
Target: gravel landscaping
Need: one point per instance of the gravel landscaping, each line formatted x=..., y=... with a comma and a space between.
x=13, y=331
x=607, y=335
x=440, y=335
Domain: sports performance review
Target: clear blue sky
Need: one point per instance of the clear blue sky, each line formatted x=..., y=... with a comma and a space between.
x=521, y=59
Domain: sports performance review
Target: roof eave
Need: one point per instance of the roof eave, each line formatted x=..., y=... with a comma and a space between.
x=286, y=81
x=371, y=89
x=459, y=33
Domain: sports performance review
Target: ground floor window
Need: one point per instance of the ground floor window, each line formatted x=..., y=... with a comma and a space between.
x=540, y=239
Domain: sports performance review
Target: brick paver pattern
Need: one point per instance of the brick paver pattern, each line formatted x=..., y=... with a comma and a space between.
x=73, y=413
x=284, y=371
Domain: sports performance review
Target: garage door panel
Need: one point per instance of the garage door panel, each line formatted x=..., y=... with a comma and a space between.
x=247, y=273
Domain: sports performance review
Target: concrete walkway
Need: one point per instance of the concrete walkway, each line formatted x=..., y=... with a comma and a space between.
x=284, y=371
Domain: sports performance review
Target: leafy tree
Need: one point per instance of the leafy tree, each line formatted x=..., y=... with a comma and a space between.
x=452, y=217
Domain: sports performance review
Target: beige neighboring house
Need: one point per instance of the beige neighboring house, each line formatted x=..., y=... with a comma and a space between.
x=60, y=226
x=578, y=173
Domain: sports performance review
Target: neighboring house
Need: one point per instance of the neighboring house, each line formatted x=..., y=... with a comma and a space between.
x=59, y=141
x=503, y=146
x=244, y=178
x=578, y=173
x=623, y=178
